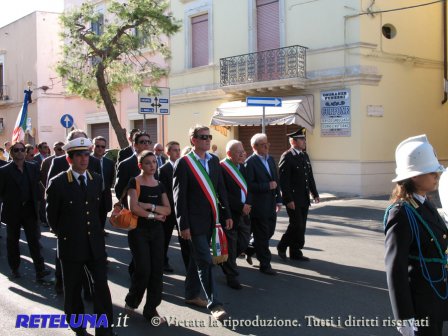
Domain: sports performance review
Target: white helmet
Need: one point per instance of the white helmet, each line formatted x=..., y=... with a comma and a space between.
x=415, y=156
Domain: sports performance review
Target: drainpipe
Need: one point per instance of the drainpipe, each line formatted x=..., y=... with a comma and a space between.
x=445, y=65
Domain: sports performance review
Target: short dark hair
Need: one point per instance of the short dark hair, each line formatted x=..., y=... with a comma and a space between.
x=13, y=145
x=171, y=144
x=41, y=144
x=132, y=132
x=99, y=137
x=138, y=135
x=58, y=143
x=29, y=147
x=143, y=155
x=72, y=133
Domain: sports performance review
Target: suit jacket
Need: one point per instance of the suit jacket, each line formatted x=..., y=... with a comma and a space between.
x=44, y=169
x=74, y=217
x=193, y=211
x=296, y=178
x=258, y=178
x=9, y=184
x=234, y=194
x=60, y=164
x=38, y=158
x=3, y=162
x=126, y=169
x=166, y=178
x=108, y=176
x=410, y=294
x=125, y=153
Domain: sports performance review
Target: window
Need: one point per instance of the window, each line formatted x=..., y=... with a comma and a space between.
x=98, y=26
x=268, y=27
x=199, y=40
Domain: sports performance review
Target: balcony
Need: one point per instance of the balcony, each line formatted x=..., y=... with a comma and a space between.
x=269, y=70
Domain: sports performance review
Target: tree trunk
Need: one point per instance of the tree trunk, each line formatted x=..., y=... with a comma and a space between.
x=110, y=108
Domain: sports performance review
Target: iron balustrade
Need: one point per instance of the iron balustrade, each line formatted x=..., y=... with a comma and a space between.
x=282, y=63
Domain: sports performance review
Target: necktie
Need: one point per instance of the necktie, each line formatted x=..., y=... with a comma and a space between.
x=82, y=183
x=159, y=161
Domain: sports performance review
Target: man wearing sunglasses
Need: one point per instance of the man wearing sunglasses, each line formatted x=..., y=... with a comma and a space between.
x=199, y=195
x=107, y=172
x=19, y=190
x=46, y=164
x=127, y=152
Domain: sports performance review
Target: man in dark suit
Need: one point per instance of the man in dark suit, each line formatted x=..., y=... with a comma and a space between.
x=129, y=167
x=127, y=152
x=166, y=178
x=296, y=184
x=158, y=151
x=262, y=180
x=196, y=175
x=46, y=164
x=19, y=190
x=240, y=200
x=73, y=200
x=107, y=173
x=43, y=153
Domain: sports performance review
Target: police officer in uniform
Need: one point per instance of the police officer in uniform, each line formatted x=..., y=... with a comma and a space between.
x=416, y=243
x=296, y=184
x=73, y=201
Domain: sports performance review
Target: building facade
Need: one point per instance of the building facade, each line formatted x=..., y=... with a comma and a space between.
x=359, y=75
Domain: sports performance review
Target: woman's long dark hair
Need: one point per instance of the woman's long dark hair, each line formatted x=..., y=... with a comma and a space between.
x=403, y=191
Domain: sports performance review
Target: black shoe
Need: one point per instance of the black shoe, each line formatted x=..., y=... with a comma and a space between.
x=249, y=259
x=167, y=268
x=281, y=253
x=268, y=271
x=15, y=274
x=234, y=284
x=42, y=274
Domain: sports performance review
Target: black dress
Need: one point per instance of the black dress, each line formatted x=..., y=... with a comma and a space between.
x=147, y=245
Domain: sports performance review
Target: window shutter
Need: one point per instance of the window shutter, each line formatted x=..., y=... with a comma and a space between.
x=199, y=37
x=268, y=26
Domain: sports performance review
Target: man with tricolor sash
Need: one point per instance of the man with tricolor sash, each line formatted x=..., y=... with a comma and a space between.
x=199, y=198
x=240, y=200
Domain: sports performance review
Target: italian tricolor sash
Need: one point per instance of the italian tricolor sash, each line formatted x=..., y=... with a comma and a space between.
x=219, y=241
x=235, y=173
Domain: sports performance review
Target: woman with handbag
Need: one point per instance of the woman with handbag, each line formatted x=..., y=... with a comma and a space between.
x=146, y=241
x=416, y=243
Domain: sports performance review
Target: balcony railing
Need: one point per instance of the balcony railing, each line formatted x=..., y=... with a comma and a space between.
x=282, y=63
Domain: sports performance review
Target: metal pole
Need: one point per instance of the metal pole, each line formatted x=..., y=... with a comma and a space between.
x=144, y=122
x=163, y=131
x=263, y=126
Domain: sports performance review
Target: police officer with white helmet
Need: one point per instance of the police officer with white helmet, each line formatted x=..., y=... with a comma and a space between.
x=416, y=243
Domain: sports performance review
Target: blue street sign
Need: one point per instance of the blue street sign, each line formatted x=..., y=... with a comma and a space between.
x=67, y=121
x=264, y=101
x=145, y=100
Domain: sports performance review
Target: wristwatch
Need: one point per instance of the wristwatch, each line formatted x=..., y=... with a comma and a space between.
x=151, y=215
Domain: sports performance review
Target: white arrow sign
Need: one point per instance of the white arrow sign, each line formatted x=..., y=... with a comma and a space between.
x=264, y=101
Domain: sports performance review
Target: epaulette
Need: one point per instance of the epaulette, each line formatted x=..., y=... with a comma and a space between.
x=89, y=175
x=69, y=176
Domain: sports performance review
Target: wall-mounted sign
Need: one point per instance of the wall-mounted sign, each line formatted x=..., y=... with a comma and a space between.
x=335, y=115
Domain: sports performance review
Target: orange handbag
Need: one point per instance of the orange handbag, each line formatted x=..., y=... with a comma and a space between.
x=122, y=218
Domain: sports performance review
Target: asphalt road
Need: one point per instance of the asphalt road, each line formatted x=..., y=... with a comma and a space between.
x=341, y=291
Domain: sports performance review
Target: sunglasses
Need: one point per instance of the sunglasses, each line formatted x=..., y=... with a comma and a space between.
x=16, y=150
x=204, y=137
x=145, y=142
x=100, y=146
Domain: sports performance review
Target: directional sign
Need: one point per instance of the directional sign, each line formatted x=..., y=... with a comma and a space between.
x=155, y=104
x=264, y=101
x=67, y=121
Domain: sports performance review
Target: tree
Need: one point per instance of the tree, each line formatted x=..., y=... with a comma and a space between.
x=103, y=53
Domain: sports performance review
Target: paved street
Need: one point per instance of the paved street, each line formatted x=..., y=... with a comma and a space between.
x=342, y=291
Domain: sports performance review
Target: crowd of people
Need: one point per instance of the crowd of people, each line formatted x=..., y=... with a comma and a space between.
x=191, y=190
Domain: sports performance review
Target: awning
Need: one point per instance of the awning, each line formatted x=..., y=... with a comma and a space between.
x=294, y=110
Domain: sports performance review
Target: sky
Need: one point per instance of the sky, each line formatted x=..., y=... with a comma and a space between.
x=15, y=9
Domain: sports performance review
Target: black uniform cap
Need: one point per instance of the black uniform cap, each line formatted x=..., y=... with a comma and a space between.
x=300, y=133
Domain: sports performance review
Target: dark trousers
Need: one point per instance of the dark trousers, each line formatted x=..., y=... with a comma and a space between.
x=263, y=229
x=146, y=244
x=102, y=303
x=200, y=271
x=87, y=284
x=28, y=220
x=168, y=228
x=294, y=237
x=237, y=242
